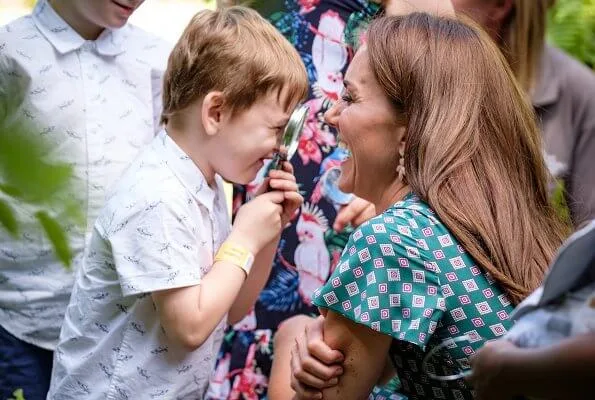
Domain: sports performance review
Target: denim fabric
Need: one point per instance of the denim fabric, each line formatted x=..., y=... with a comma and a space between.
x=23, y=366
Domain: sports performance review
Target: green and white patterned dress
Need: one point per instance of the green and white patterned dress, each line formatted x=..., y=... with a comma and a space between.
x=405, y=275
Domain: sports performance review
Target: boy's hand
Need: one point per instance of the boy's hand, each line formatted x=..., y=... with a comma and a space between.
x=284, y=181
x=314, y=365
x=259, y=221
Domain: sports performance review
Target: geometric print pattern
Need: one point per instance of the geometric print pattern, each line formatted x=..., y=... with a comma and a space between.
x=403, y=274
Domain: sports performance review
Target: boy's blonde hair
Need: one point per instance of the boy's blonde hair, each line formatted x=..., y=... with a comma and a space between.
x=236, y=51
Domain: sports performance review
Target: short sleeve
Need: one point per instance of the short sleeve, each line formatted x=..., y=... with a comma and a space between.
x=382, y=282
x=157, y=248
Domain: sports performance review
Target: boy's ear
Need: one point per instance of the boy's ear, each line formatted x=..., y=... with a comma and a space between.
x=213, y=112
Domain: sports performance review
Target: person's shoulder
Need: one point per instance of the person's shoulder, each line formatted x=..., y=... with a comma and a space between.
x=146, y=181
x=567, y=65
x=415, y=212
x=18, y=38
x=16, y=28
x=576, y=78
x=143, y=43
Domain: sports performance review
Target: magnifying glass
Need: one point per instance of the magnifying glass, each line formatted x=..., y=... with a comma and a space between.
x=290, y=138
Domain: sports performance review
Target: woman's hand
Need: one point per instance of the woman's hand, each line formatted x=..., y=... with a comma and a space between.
x=355, y=213
x=404, y=7
x=314, y=365
x=488, y=371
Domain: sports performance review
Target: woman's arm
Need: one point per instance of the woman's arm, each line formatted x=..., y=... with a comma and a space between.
x=364, y=352
x=339, y=358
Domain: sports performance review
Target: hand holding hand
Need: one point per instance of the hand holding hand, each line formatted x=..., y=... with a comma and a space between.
x=314, y=365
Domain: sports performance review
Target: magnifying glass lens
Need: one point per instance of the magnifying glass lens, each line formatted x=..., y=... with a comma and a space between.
x=291, y=136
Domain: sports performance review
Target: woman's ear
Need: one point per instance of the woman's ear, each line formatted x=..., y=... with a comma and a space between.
x=402, y=139
x=213, y=112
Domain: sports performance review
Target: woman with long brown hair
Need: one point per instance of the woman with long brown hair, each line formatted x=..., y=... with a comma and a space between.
x=451, y=158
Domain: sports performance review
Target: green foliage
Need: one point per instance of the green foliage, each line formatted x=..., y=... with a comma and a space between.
x=559, y=202
x=30, y=179
x=18, y=395
x=571, y=27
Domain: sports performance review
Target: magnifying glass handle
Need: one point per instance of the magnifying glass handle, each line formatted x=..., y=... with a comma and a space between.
x=277, y=162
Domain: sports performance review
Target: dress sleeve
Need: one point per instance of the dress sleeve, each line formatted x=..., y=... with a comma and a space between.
x=383, y=282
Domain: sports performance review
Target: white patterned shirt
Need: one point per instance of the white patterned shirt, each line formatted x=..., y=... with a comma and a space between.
x=97, y=103
x=158, y=230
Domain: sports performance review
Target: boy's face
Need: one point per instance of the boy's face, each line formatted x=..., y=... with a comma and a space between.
x=250, y=137
x=108, y=13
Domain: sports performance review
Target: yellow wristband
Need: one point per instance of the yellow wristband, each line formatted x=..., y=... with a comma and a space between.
x=236, y=255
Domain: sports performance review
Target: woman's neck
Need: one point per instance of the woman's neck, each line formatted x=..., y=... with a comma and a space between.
x=394, y=193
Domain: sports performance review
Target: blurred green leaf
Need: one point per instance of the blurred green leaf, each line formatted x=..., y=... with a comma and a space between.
x=18, y=395
x=571, y=27
x=7, y=218
x=26, y=169
x=57, y=236
x=29, y=176
x=559, y=201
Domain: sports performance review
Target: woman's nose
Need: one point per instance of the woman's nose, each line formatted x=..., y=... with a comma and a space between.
x=332, y=115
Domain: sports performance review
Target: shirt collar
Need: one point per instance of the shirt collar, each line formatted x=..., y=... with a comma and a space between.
x=65, y=39
x=547, y=86
x=187, y=171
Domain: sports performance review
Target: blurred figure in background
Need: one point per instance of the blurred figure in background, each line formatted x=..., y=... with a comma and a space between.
x=91, y=85
x=561, y=88
x=550, y=352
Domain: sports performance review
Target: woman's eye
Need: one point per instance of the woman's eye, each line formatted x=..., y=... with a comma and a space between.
x=346, y=98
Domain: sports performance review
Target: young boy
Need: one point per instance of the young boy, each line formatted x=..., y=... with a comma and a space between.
x=164, y=272
x=90, y=84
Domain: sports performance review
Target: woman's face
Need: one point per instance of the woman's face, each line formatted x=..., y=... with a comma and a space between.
x=368, y=128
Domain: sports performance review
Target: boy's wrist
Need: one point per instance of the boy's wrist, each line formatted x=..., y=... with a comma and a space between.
x=244, y=241
x=236, y=254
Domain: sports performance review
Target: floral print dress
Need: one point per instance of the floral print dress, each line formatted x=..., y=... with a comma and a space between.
x=324, y=32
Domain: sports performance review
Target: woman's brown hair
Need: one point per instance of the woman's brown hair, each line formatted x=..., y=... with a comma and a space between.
x=473, y=150
x=523, y=39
